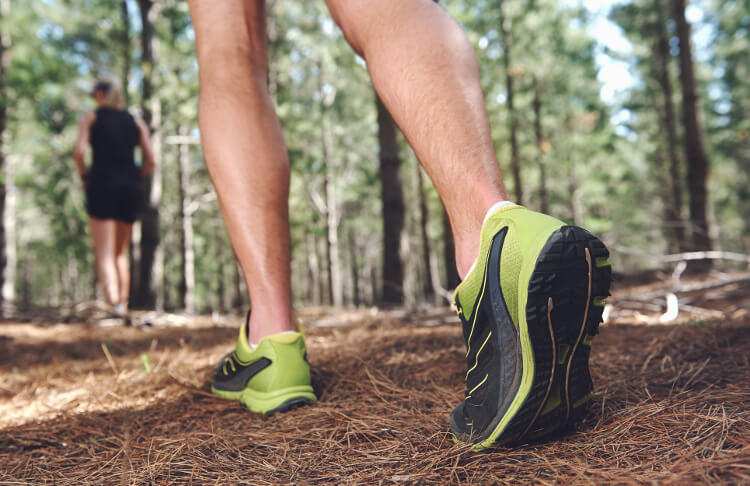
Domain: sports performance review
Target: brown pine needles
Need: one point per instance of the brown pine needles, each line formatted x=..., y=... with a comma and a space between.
x=671, y=406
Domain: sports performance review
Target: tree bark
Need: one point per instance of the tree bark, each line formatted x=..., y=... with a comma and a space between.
x=186, y=284
x=428, y=291
x=148, y=289
x=695, y=154
x=335, y=287
x=314, y=288
x=354, y=269
x=392, y=196
x=328, y=249
x=449, y=255
x=336, y=290
x=4, y=61
x=9, y=250
x=541, y=149
x=506, y=37
x=674, y=224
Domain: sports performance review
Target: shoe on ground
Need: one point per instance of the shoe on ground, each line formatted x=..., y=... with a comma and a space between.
x=529, y=307
x=273, y=376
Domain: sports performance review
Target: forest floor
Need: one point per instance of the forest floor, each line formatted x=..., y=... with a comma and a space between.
x=81, y=403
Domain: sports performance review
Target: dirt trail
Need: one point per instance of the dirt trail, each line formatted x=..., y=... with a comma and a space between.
x=670, y=406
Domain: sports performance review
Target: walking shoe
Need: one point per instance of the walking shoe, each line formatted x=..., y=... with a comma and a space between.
x=529, y=307
x=273, y=376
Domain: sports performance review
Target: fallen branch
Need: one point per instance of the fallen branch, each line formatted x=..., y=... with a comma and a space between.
x=704, y=255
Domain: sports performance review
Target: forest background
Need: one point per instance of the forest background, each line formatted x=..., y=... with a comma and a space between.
x=626, y=117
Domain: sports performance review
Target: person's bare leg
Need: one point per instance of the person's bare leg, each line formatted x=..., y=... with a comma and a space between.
x=122, y=262
x=426, y=73
x=245, y=152
x=103, y=235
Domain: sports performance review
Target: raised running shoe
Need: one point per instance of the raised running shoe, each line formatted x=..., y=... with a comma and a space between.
x=529, y=307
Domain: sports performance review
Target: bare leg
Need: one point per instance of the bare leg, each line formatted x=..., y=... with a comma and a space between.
x=426, y=73
x=103, y=234
x=122, y=263
x=245, y=152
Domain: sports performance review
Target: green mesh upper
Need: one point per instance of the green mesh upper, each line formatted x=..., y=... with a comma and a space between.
x=289, y=367
x=528, y=231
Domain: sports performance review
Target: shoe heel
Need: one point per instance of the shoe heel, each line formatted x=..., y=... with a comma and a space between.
x=280, y=400
x=566, y=300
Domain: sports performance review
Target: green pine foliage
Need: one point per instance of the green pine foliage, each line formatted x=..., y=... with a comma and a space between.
x=603, y=171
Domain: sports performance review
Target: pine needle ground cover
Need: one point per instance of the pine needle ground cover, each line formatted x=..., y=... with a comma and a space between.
x=85, y=404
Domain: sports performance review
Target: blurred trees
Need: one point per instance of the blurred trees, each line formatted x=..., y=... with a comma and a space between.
x=4, y=102
x=366, y=227
x=695, y=153
x=149, y=263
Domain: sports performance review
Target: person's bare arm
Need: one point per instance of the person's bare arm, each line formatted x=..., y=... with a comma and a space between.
x=82, y=144
x=147, y=150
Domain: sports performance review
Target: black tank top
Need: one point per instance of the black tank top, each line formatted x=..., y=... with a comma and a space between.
x=114, y=136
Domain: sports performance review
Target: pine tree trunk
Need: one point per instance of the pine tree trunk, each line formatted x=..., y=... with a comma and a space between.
x=126, y=47
x=335, y=287
x=506, y=37
x=695, y=154
x=126, y=50
x=4, y=61
x=328, y=250
x=313, y=270
x=186, y=285
x=428, y=291
x=393, y=207
x=449, y=255
x=674, y=223
x=8, y=225
x=354, y=269
x=332, y=241
x=324, y=286
x=541, y=149
x=147, y=291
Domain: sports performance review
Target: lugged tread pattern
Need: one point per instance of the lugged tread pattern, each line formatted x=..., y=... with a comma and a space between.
x=562, y=275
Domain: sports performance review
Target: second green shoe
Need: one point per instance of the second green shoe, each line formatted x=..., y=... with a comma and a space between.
x=273, y=376
x=529, y=307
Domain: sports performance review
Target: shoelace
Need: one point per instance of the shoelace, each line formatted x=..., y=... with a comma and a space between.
x=229, y=360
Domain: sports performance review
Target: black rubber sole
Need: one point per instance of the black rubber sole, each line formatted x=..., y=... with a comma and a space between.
x=564, y=308
x=289, y=405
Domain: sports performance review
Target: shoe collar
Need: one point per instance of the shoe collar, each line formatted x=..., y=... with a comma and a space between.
x=245, y=350
x=495, y=209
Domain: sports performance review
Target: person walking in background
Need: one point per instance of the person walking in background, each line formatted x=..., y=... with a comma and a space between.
x=112, y=183
x=533, y=288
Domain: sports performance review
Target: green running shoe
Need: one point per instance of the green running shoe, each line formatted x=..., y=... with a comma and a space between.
x=529, y=307
x=274, y=376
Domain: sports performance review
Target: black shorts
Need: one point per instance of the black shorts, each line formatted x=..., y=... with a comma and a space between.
x=118, y=199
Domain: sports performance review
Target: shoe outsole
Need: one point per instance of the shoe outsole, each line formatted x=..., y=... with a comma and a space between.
x=285, y=406
x=289, y=405
x=566, y=292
